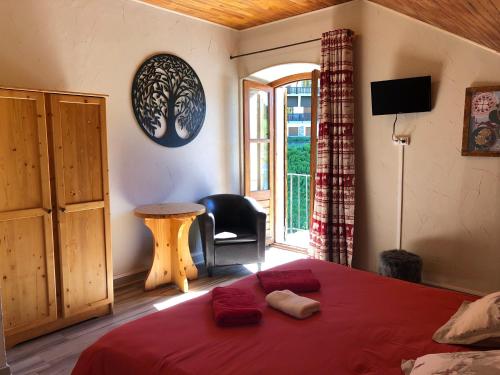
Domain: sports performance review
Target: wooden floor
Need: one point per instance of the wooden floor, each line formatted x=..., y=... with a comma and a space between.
x=58, y=352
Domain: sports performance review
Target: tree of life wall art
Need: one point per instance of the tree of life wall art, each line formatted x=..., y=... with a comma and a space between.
x=168, y=100
x=481, y=136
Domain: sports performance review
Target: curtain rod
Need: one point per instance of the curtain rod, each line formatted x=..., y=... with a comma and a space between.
x=274, y=48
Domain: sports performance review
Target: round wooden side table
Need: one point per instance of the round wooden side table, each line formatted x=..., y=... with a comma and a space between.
x=170, y=223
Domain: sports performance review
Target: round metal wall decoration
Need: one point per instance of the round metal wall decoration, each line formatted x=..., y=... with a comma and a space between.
x=168, y=100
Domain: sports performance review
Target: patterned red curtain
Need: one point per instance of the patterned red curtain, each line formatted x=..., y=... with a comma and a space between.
x=333, y=216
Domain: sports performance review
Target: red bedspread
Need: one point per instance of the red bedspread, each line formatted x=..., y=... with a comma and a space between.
x=367, y=324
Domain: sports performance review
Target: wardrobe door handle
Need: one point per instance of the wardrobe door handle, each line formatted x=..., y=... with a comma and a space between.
x=48, y=210
x=62, y=209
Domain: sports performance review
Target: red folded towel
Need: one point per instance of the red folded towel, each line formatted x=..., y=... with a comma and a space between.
x=233, y=306
x=298, y=281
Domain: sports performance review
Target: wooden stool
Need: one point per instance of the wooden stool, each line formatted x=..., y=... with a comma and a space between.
x=169, y=223
x=401, y=264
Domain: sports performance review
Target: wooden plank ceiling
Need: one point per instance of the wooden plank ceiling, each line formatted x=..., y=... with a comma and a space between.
x=476, y=20
x=242, y=14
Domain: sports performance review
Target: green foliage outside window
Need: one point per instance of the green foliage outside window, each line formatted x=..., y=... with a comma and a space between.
x=298, y=159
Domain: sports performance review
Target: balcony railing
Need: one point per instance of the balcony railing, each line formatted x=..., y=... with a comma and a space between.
x=299, y=117
x=298, y=90
x=299, y=187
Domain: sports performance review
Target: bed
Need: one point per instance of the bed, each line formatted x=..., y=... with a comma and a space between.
x=367, y=325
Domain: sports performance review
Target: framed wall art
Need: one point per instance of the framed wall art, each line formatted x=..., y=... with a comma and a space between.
x=481, y=135
x=168, y=100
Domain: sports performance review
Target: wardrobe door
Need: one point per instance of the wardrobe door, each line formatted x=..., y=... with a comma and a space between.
x=27, y=275
x=81, y=174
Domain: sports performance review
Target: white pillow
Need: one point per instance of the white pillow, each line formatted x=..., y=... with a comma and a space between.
x=461, y=363
x=473, y=323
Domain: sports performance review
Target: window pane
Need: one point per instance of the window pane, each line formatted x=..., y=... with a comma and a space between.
x=292, y=101
x=293, y=132
x=259, y=166
x=259, y=114
x=264, y=166
x=305, y=101
x=254, y=167
x=254, y=113
x=264, y=116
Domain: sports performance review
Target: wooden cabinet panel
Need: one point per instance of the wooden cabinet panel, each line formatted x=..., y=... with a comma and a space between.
x=27, y=274
x=84, y=254
x=82, y=157
x=27, y=269
x=81, y=175
x=19, y=152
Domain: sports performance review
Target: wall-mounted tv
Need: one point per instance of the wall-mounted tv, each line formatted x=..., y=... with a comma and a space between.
x=401, y=96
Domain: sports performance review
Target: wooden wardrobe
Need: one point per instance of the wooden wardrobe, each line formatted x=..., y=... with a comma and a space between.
x=55, y=248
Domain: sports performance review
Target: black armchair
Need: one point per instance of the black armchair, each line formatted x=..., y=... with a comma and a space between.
x=233, y=231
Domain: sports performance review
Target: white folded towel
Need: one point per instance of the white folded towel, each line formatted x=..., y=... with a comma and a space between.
x=292, y=304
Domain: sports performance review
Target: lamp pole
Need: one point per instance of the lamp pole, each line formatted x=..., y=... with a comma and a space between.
x=399, y=240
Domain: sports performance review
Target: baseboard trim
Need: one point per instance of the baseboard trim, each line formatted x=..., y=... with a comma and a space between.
x=130, y=273
x=284, y=246
x=129, y=279
x=5, y=370
x=56, y=325
x=139, y=276
x=454, y=288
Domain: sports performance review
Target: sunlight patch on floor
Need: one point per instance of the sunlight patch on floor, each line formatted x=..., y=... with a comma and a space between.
x=172, y=301
x=299, y=239
x=275, y=257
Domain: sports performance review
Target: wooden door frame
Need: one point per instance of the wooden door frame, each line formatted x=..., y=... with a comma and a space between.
x=290, y=79
x=313, y=76
x=247, y=85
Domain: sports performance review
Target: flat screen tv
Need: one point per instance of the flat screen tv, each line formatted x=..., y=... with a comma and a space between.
x=406, y=95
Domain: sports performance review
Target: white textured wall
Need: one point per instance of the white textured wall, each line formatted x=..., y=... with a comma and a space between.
x=97, y=46
x=452, y=203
